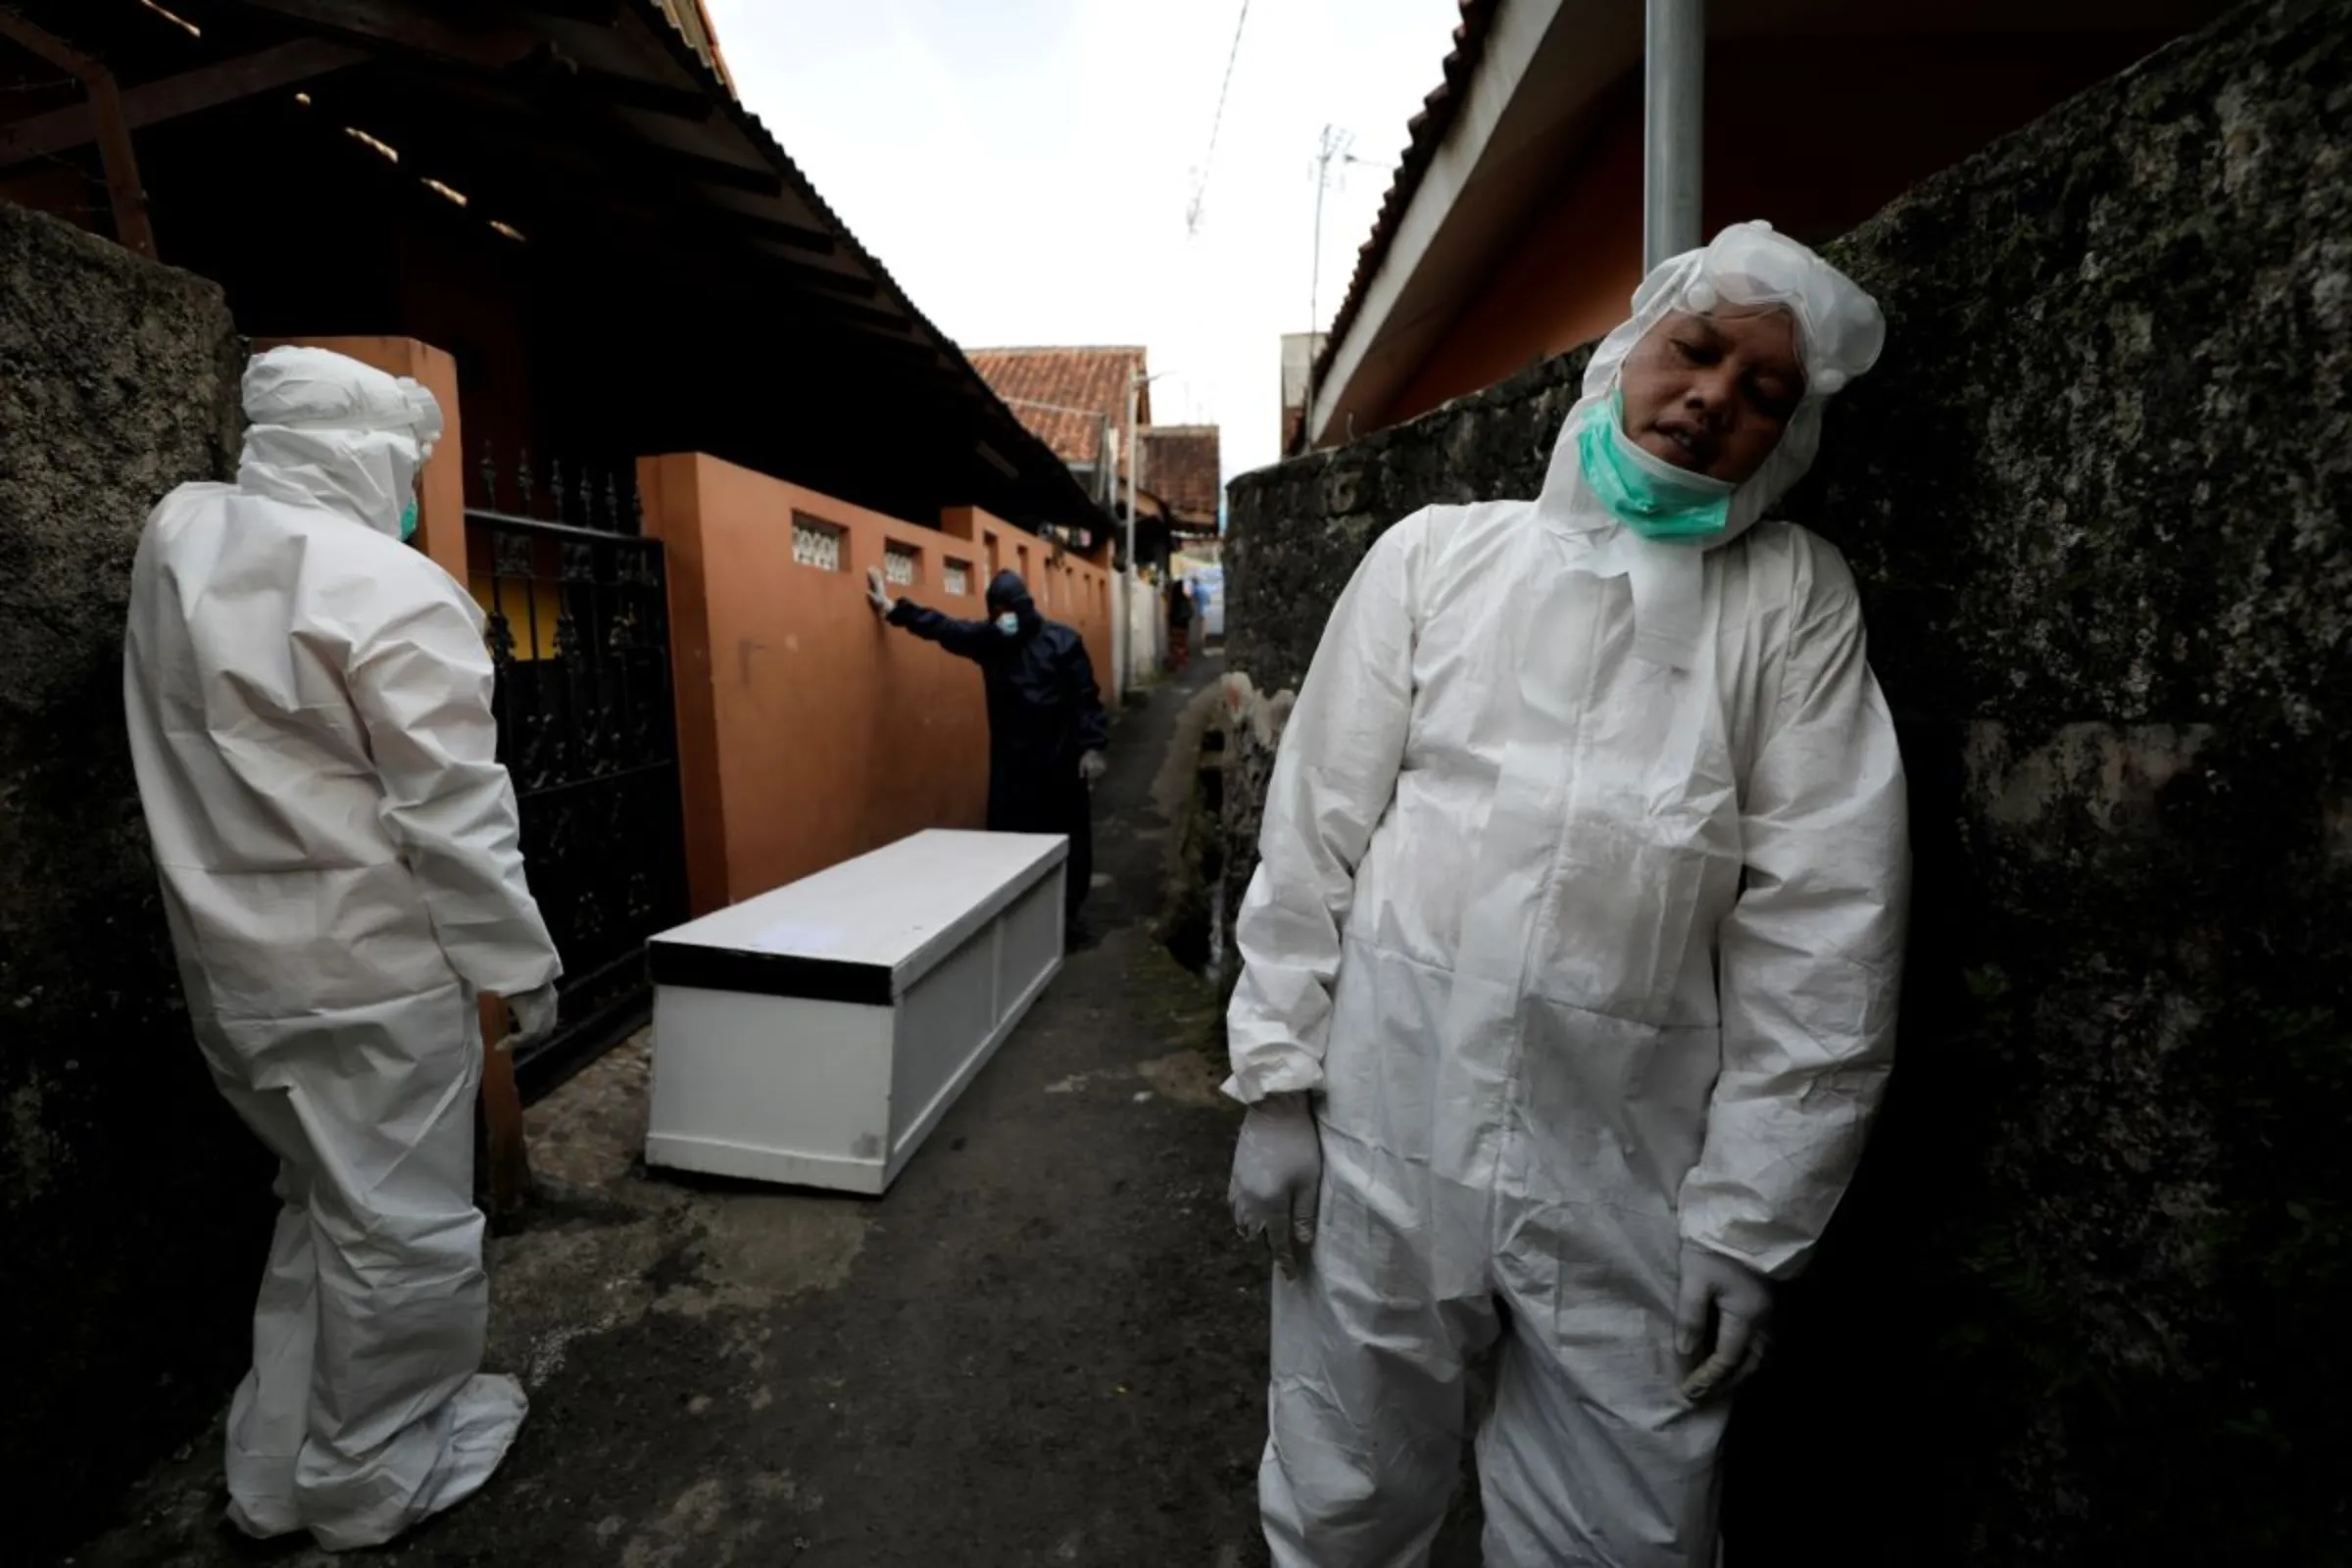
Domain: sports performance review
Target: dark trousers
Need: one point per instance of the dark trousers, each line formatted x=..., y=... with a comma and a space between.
x=1056, y=806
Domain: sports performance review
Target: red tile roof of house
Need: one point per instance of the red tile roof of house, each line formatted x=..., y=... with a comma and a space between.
x=1044, y=385
x=1181, y=466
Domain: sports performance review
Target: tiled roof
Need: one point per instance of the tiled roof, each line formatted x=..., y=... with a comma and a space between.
x=1043, y=383
x=1181, y=466
x=1425, y=131
x=1064, y=490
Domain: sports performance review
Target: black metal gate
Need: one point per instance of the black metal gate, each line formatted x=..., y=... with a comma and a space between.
x=579, y=632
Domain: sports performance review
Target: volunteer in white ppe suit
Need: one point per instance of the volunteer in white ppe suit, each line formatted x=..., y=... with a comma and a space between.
x=1570, y=969
x=310, y=714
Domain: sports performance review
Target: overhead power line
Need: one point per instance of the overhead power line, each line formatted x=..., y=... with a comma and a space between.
x=1191, y=211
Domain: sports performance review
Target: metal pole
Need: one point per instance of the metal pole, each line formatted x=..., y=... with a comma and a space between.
x=1127, y=582
x=1675, y=63
x=1315, y=300
x=1134, y=383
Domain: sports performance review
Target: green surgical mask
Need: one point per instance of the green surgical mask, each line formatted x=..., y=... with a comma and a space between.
x=1646, y=493
x=407, y=522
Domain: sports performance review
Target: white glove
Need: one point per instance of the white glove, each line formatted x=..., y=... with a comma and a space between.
x=534, y=1017
x=1092, y=766
x=1741, y=1301
x=876, y=595
x=1277, y=1176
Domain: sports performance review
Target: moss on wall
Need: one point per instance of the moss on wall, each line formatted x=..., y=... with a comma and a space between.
x=132, y=1208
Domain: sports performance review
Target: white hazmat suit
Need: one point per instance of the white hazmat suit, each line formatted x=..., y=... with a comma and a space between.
x=1579, y=916
x=310, y=712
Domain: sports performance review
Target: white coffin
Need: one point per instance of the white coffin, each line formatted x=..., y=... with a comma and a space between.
x=815, y=1034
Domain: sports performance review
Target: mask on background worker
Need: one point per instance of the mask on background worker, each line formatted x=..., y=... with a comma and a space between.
x=1047, y=729
x=310, y=712
x=1570, y=967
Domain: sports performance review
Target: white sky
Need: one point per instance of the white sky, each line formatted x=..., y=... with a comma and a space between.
x=1024, y=167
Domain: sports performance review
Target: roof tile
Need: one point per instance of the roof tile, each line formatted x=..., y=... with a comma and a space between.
x=1182, y=466
x=1045, y=385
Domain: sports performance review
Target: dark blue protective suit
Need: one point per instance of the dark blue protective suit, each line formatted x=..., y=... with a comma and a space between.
x=1043, y=713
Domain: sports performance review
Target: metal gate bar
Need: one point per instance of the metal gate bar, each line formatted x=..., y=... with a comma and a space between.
x=579, y=633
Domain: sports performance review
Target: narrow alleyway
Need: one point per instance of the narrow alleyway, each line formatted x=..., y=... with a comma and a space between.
x=1045, y=1346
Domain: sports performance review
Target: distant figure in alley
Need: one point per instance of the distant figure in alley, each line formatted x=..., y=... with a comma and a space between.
x=1047, y=729
x=310, y=710
x=1180, y=623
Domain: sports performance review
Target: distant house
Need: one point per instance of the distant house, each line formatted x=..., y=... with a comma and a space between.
x=1181, y=470
x=1512, y=230
x=1075, y=400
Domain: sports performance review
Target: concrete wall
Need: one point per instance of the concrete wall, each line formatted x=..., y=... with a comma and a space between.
x=809, y=733
x=133, y=1210
x=1813, y=133
x=2083, y=1306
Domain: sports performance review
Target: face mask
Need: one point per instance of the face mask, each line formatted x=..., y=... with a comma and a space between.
x=1008, y=623
x=407, y=522
x=1646, y=493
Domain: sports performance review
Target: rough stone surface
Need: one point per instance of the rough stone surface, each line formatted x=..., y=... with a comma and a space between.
x=2083, y=1305
x=128, y=1199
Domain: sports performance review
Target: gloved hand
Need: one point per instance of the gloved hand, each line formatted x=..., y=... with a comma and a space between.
x=876, y=595
x=1092, y=766
x=1277, y=1176
x=1739, y=1300
x=534, y=1017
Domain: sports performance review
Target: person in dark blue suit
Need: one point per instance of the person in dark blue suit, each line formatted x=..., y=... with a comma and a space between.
x=1047, y=729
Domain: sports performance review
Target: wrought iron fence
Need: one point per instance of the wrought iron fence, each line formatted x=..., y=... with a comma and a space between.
x=579, y=632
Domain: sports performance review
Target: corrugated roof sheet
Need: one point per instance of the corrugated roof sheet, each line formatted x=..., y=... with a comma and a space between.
x=696, y=63
x=692, y=20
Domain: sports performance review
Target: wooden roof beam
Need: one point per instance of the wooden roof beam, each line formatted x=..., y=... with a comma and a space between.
x=113, y=135
x=717, y=172
x=776, y=230
x=874, y=318
x=823, y=279
x=190, y=92
x=386, y=23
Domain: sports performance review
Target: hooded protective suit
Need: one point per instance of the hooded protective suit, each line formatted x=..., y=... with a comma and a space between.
x=1580, y=915
x=1044, y=713
x=310, y=714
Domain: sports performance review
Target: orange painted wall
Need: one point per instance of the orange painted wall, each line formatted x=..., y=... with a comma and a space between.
x=809, y=731
x=1812, y=135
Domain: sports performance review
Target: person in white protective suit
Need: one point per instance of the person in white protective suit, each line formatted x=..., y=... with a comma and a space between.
x=1570, y=968
x=310, y=712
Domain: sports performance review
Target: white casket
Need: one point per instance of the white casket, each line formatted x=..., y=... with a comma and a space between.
x=815, y=1035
